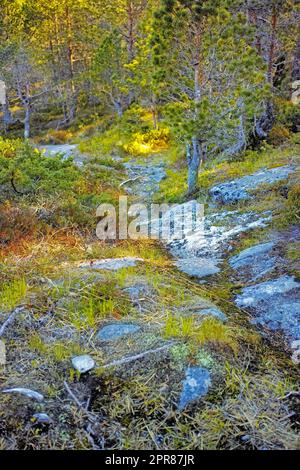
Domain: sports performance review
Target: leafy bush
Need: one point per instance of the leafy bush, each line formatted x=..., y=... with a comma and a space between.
x=24, y=170
x=293, y=205
x=55, y=186
x=278, y=135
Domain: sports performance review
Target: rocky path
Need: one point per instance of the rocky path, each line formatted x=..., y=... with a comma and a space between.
x=271, y=294
x=142, y=341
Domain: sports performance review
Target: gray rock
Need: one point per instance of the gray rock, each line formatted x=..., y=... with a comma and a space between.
x=26, y=392
x=198, y=267
x=199, y=253
x=219, y=229
x=116, y=331
x=195, y=385
x=238, y=189
x=245, y=256
x=111, y=264
x=83, y=363
x=145, y=179
x=42, y=418
x=252, y=295
x=276, y=305
x=255, y=262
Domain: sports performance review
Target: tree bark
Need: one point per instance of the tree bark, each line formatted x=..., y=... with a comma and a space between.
x=27, y=121
x=193, y=159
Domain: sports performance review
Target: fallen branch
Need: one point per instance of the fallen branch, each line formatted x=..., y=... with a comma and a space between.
x=10, y=319
x=125, y=360
x=290, y=394
x=130, y=180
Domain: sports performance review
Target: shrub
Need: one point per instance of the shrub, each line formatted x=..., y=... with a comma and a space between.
x=278, y=135
x=293, y=205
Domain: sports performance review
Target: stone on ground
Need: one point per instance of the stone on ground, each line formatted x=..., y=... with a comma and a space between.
x=116, y=331
x=195, y=385
x=238, y=189
x=276, y=304
x=255, y=262
x=83, y=363
x=111, y=264
x=198, y=267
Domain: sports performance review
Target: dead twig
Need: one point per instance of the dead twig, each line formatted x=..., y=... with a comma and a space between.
x=125, y=360
x=10, y=319
x=290, y=394
x=130, y=180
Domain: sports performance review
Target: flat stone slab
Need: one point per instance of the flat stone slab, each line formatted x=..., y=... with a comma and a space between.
x=237, y=190
x=195, y=385
x=83, y=363
x=255, y=262
x=276, y=304
x=111, y=264
x=116, y=331
x=198, y=267
x=245, y=256
x=219, y=229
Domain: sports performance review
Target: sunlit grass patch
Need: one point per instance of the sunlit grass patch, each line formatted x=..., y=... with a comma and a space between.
x=210, y=331
x=13, y=293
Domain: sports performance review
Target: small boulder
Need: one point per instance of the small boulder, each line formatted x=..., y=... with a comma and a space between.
x=116, y=331
x=83, y=363
x=195, y=385
x=42, y=418
x=198, y=267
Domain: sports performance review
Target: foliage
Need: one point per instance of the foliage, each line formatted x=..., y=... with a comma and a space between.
x=149, y=142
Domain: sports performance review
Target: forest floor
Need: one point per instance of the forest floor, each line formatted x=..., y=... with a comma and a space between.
x=179, y=357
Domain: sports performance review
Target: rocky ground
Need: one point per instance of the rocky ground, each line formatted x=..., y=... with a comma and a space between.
x=186, y=344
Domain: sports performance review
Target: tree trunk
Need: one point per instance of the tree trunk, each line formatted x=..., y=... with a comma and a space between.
x=265, y=122
x=193, y=160
x=240, y=143
x=27, y=121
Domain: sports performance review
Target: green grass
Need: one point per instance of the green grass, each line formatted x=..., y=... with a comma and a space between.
x=13, y=293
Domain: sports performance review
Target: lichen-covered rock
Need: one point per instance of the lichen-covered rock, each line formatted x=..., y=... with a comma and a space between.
x=83, y=363
x=195, y=385
x=116, y=331
x=111, y=264
x=255, y=262
x=275, y=303
x=238, y=189
x=198, y=267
